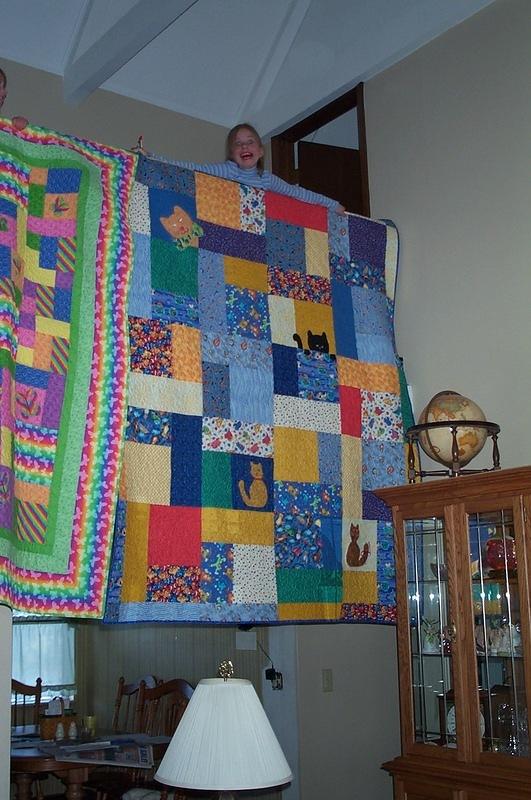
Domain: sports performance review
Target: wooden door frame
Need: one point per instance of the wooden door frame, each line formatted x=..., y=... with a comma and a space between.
x=282, y=145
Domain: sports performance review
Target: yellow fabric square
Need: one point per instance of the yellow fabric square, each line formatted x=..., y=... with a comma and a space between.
x=282, y=320
x=316, y=246
x=309, y=611
x=135, y=553
x=186, y=353
x=42, y=351
x=32, y=271
x=52, y=327
x=360, y=587
x=22, y=228
x=60, y=206
x=351, y=466
x=217, y=200
x=236, y=527
x=246, y=274
x=317, y=318
x=6, y=447
x=147, y=475
x=296, y=455
x=374, y=377
x=25, y=355
x=39, y=176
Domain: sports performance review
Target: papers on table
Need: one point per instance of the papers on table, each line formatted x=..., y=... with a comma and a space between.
x=125, y=750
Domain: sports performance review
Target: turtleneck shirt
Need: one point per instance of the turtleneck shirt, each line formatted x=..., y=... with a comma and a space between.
x=254, y=177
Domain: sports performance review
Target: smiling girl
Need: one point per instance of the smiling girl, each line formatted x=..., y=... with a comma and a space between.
x=245, y=164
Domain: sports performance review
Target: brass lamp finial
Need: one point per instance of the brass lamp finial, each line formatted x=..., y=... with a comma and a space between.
x=226, y=670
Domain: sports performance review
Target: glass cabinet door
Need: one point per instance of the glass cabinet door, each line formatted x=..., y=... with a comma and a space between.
x=497, y=632
x=431, y=632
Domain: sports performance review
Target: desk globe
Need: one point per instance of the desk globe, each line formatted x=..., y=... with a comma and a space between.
x=437, y=443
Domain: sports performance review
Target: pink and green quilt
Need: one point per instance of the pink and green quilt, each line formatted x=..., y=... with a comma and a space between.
x=264, y=407
x=65, y=261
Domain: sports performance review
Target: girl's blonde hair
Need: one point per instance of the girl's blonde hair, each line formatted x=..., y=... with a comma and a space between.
x=231, y=138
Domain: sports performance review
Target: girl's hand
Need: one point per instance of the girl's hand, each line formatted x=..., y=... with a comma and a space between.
x=19, y=123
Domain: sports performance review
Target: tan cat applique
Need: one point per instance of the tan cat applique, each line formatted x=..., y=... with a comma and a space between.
x=182, y=228
x=356, y=557
x=257, y=497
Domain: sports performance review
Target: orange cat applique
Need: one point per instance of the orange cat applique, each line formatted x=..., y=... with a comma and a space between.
x=182, y=228
x=355, y=557
x=257, y=496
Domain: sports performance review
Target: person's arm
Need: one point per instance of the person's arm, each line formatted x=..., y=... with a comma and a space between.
x=300, y=193
x=221, y=170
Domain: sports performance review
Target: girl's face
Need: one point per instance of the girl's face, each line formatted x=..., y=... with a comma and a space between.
x=245, y=149
x=3, y=91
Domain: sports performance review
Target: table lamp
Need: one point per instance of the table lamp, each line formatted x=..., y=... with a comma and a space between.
x=224, y=741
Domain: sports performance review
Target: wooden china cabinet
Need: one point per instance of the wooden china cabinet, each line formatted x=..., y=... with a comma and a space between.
x=463, y=551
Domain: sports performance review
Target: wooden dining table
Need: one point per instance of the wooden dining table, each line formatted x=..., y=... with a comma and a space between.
x=29, y=762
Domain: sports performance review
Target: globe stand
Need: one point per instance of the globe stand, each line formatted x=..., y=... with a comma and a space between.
x=454, y=467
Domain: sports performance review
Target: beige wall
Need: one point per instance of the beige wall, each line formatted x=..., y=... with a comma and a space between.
x=346, y=734
x=449, y=135
x=106, y=117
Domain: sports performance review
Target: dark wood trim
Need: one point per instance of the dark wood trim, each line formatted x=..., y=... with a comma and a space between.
x=283, y=158
x=283, y=144
x=362, y=146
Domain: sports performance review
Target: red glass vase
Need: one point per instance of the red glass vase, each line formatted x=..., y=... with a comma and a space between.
x=500, y=553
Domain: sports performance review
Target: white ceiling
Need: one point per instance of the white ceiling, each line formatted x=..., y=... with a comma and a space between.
x=268, y=61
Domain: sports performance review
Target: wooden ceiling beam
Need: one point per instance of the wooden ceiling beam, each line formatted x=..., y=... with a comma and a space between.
x=117, y=45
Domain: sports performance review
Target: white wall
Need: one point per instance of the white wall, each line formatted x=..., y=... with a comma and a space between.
x=346, y=734
x=449, y=139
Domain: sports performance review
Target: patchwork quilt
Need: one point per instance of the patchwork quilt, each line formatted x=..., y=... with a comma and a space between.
x=65, y=261
x=263, y=409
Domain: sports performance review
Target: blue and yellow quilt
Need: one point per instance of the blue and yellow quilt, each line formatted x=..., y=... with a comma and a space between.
x=264, y=407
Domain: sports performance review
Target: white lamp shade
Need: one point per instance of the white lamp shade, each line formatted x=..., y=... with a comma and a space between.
x=224, y=742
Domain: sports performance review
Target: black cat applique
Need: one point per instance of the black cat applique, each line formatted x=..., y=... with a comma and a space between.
x=316, y=341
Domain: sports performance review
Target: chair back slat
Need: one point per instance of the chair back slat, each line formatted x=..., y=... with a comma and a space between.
x=159, y=709
x=124, y=716
x=25, y=702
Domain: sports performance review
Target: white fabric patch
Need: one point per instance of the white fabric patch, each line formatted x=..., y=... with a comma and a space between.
x=139, y=218
x=254, y=574
x=310, y=415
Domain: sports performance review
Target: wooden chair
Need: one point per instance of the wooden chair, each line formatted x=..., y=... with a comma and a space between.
x=107, y=781
x=159, y=709
x=25, y=710
x=25, y=702
x=125, y=705
x=158, y=712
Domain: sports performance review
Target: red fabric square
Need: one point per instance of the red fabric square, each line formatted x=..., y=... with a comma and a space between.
x=174, y=536
x=295, y=212
x=350, y=409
